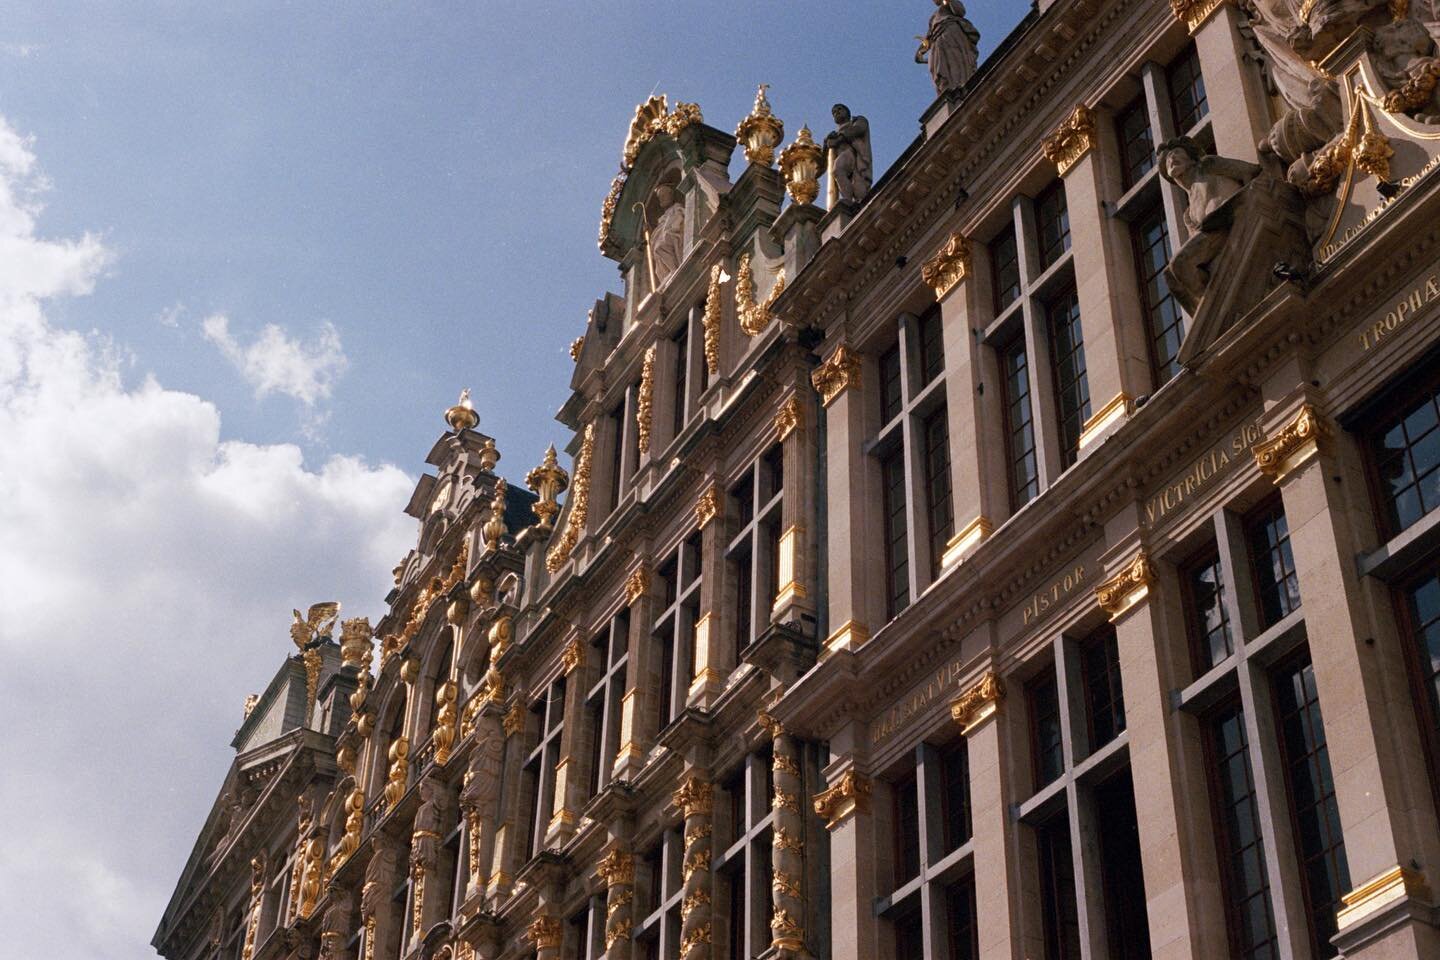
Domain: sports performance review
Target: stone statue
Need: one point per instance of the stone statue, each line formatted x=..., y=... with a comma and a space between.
x=848, y=147
x=481, y=790
x=1209, y=182
x=425, y=839
x=950, y=46
x=667, y=239
x=1405, y=59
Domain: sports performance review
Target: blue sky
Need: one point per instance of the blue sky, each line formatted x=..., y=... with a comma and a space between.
x=249, y=252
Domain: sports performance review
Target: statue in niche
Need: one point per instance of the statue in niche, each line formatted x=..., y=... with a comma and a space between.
x=667, y=239
x=1210, y=183
x=950, y=46
x=848, y=150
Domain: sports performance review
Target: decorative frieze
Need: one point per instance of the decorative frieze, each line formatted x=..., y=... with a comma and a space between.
x=1126, y=589
x=978, y=703
x=645, y=400
x=579, y=505
x=1074, y=139
x=944, y=271
x=789, y=417
x=1295, y=444
x=969, y=537
x=848, y=796
x=838, y=373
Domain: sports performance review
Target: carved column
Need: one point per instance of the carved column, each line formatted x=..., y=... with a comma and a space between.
x=424, y=855
x=1117, y=359
x=1386, y=809
x=381, y=934
x=712, y=653
x=617, y=870
x=508, y=841
x=795, y=430
x=845, y=806
x=480, y=798
x=637, y=710
x=547, y=933
x=787, y=850
x=852, y=492
x=397, y=778
x=695, y=800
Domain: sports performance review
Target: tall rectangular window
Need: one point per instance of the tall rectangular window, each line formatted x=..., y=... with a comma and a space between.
x=549, y=714
x=1406, y=457
x=681, y=342
x=609, y=650
x=1276, y=585
x=1067, y=361
x=1052, y=221
x=1249, y=920
x=932, y=346
x=939, y=513
x=1104, y=701
x=1005, y=263
x=1045, y=739
x=897, y=546
x=892, y=396
x=1137, y=148
x=1019, y=423
x=1207, y=620
x=1420, y=619
x=1127, y=927
x=907, y=829
x=1314, y=813
x=955, y=793
x=1057, y=891
x=617, y=452
x=1187, y=90
x=1165, y=322
x=960, y=920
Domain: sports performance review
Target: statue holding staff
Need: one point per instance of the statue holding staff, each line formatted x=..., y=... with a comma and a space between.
x=950, y=46
x=847, y=151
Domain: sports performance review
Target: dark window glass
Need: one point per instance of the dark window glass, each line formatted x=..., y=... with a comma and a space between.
x=1057, y=892
x=1044, y=700
x=1005, y=260
x=1421, y=618
x=1249, y=921
x=1127, y=927
x=773, y=473
x=1277, y=586
x=735, y=896
x=1406, y=452
x=960, y=919
x=1052, y=220
x=907, y=830
x=1067, y=360
x=682, y=366
x=696, y=316
x=891, y=390
x=1019, y=423
x=1104, y=702
x=664, y=703
x=932, y=347
x=955, y=793
x=744, y=587
x=742, y=500
x=909, y=934
x=897, y=547
x=1313, y=810
x=1162, y=314
x=1187, y=90
x=939, y=513
x=1137, y=149
x=1208, y=622
x=617, y=453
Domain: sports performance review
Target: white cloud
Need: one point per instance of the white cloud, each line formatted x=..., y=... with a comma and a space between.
x=274, y=362
x=170, y=316
x=147, y=571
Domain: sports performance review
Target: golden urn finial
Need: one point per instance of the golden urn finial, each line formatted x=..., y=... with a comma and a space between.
x=762, y=131
x=462, y=416
x=548, y=480
x=800, y=165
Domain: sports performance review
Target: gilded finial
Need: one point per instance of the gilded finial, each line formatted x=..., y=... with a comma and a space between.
x=548, y=480
x=489, y=456
x=462, y=416
x=761, y=131
x=800, y=165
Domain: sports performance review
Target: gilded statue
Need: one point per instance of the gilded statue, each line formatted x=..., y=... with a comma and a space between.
x=950, y=46
x=848, y=150
x=1209, y=183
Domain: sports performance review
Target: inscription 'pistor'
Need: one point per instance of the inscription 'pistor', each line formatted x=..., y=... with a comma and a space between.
x=1051, y=595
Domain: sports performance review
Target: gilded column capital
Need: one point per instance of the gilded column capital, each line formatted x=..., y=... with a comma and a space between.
x=695, y=797
x=637, y=584
x=573, y=656
x=1193, y=13
x=771, y=726
x=789, y=417
x=707, y=508
x=848, y=796
x=546, y=932
x=840, y=372
x=1296, y=443
x=645, y=400
x=514, y=720
x=1074, y=138
x=616, y=869
x=944, y=271
x=978, y=703
x=1126, y=589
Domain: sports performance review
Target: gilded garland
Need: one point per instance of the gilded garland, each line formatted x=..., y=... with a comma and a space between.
x=711, y=321
x=579, y=505
x=754, y=317
x=645, y=400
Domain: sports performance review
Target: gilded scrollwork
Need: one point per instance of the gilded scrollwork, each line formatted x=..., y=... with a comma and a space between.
x=1127, y=588
x=645, y=400
x=754, y=317
x=978, y=702
x=949, y=266
x=1294, y=444
x=579, y=505
x=710, y=320
x=849, y=795
x=840, y=372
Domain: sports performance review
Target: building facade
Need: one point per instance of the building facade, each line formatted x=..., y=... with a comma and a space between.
x=1032, y=554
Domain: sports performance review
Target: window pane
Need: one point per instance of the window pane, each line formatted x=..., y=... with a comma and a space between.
x=909, y=934
x=1137, y=149
x=1104, y=703
x=1164, y=320
x=1067, y=359
x=891, y=396
x=1052, y=220
x=1249, y=920
x=1187, y=91
x=955, y=795
x=1126, y=923
x=1045, y=728
x=1020, y=426
x=1406, y=452
x=1209, y=623
x=907, y=831
x=939, y=513
x=1277, y=586
x=1423, y=628
x=1057, y=892
x=1005, y=260
x=897, y=543
x=932, y=348
x=961, y=921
